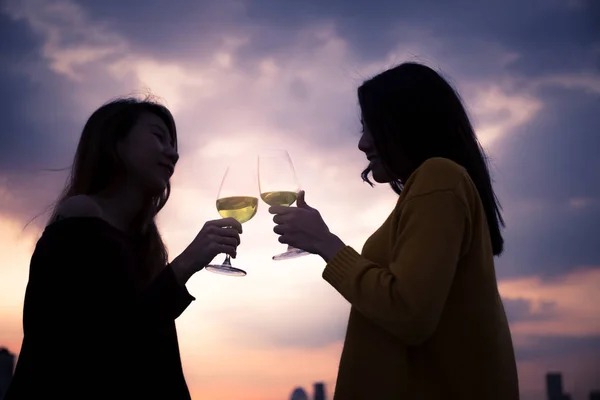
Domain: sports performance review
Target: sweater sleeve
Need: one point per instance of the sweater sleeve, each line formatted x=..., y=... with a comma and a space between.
x=407, y=297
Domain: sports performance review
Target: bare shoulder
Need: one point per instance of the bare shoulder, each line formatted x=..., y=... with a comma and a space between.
x=78, y=206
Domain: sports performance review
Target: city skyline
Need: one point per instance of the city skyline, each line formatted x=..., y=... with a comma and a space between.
x=319, y=393
x=555, y=389
x=242, y=76
x=299, y=394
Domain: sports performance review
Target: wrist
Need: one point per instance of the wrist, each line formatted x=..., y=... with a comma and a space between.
x=183, y=269
x=330, y=247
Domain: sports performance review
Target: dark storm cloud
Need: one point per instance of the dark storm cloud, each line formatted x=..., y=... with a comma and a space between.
x=548, y=347
x=553, y=243
x=38, y=127
x=34, y=129
x=548, y=35
x=555, y=156
x=179, y=29
x=551, y=160
x=20, y=139
x=520, y=310
x=552, y=164
x=32, y=132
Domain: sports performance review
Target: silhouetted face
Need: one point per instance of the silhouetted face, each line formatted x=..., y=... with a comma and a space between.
x=149, y=154
x=367, y=146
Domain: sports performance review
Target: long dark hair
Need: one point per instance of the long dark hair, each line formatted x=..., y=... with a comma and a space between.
x=413, y=115
x=97, y=164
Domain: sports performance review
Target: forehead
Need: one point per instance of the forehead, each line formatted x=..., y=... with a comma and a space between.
x=148, y=119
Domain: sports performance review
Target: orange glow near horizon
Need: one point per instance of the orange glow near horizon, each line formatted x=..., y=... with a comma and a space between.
x=227, y=355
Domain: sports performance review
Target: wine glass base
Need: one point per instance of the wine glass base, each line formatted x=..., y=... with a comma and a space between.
x=225, y=270
x=290, y=254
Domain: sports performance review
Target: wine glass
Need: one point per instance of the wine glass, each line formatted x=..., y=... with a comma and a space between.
x=236, y=199
x=279, y=186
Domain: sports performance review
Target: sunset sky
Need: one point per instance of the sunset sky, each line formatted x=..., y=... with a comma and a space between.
x=241, y=76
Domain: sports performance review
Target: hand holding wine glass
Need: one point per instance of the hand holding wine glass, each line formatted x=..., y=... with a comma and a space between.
x=303, y=227
x=215, y=237
x=279, y=187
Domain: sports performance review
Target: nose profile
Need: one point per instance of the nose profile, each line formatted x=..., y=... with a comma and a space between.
x=172, y=155
x=363, y=143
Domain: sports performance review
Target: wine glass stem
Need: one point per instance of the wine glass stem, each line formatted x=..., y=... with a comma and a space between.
x=227, y=261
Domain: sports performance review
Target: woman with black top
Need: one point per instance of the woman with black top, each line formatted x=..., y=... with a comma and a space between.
x=102, y=299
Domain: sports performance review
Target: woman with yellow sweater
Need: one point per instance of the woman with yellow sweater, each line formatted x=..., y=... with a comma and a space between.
x=427, y=321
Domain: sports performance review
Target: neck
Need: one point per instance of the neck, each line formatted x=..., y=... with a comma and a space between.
x=121, y=204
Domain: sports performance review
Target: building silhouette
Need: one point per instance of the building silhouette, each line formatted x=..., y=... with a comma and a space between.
x=554, y=387
x=299, y=394
x=595, y=395
x=319, y=393
x=7, y=366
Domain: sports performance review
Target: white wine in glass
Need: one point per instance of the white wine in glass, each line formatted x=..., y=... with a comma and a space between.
x=236, y=199
x=279, y=186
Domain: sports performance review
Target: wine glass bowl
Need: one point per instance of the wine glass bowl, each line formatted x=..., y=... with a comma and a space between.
x=279, y=198
x=240, y=208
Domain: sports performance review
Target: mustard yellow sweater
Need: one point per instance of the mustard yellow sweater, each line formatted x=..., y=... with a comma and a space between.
x=427, y=321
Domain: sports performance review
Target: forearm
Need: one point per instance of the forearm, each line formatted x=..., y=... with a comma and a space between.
x=407, y=296
x=184, y=269
x=397, y=302
x=375, y=286
x=166, y=297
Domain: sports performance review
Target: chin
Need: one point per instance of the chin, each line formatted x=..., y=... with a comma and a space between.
x=380, y=180
x=156, y=188
x=380, y=176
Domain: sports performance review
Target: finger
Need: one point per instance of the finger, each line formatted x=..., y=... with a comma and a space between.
x=227, y=233
x=282, y=210
x=283, y=239
x=281, y=219
x=300, y=201
x=228, y=241
x=226, y=222
x=225, y=249
x=280, y=229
